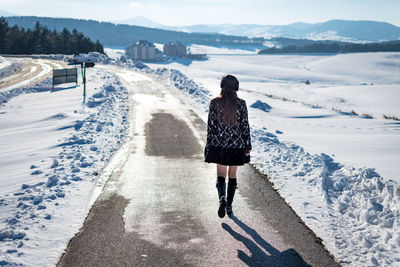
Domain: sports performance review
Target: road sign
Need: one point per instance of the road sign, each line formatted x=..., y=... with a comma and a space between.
x=65, y=76
x=89, y=64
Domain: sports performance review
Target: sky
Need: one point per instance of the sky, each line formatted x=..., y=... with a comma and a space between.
x=190, y=12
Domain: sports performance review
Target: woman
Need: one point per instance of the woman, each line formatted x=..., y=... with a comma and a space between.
x=228, y=139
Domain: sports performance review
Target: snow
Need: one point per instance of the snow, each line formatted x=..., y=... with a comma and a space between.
x=46, y=69
x=261, y=106
x=114, y=53
x=333, y=36
x=339, y=171
x=53, y=148
x=204, y=49
x=8, y=68
x=4, y=63
x=366, y=84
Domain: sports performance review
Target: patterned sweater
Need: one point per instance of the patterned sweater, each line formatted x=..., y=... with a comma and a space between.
x=219, y=135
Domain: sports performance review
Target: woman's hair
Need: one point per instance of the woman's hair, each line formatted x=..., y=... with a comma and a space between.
x=229, y=86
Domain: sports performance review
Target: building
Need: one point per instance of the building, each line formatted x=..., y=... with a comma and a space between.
x=175, y=49
x=142, y=50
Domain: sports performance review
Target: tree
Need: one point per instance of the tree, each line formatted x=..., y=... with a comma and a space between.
x=3, y=35
x=40, y=40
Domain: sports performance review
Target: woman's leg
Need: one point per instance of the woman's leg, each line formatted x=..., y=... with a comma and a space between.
x=221, y=188
x=232, y=171
x=221, y=170
x=232, y=184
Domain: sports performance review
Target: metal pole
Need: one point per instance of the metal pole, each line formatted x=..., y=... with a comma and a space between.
x=82, y=70
x=84, y=83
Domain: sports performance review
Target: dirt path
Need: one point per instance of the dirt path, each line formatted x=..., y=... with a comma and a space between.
x=33, y=71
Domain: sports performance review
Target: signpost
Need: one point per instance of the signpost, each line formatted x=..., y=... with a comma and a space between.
x=85, y=65
x=60, y=76
x=65, y=76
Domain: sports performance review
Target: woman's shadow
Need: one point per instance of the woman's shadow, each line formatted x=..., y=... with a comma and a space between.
x=258, y=257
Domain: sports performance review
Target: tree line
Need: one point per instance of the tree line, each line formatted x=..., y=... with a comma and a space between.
x=335, y=47
x=40, y=40
x=111, y=34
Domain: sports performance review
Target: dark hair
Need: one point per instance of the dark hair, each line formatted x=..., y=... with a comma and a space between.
x=229, y=83
x=229, y=86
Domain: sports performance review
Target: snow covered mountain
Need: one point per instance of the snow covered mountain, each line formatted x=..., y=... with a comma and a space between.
x=338, y=30
x=140, y=21
x=7, y=14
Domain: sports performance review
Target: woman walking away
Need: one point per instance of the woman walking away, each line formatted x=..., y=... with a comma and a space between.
x=228, y=139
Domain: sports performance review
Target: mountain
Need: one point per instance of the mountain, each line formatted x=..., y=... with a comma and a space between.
x=122, y=35
x=140, y=21
x=339, y=30
x=4, y=13
x=223, y=35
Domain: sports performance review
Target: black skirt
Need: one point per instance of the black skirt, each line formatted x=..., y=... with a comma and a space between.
x=226, y=156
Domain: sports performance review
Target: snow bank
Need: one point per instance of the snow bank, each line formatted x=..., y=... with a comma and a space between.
x=119, y=60
x=261, y=106
x=8, y=68
x=39, y=87
x=59, y=186
x=188, y=87
x=354, y=210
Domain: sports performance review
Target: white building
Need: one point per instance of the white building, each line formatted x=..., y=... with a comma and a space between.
x=142, y=50
x=175, y=49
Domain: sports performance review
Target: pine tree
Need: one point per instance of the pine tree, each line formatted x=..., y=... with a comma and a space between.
x=40, y=40
x=3, y=35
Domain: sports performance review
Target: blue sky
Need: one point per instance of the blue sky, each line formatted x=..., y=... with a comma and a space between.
x=188, y=12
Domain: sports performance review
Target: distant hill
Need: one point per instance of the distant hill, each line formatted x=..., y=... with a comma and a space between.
x=6, y=13
x=297, y=34
x=110, y=34
x=334, y=47
x=140, y=21
x=338, y=30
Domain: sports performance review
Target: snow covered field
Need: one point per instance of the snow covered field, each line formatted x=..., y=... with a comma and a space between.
x=204, y=49
x=366, y=84
x=53, y=148
x=306, y=137
x=325, y=145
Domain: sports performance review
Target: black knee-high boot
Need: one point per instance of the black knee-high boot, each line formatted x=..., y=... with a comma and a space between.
x=232, y=185
x=221, y=187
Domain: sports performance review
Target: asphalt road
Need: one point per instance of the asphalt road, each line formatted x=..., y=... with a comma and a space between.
x=160, y=207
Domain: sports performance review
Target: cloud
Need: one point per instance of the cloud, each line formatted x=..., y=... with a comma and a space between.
x=140, y=5
x=136, y=5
